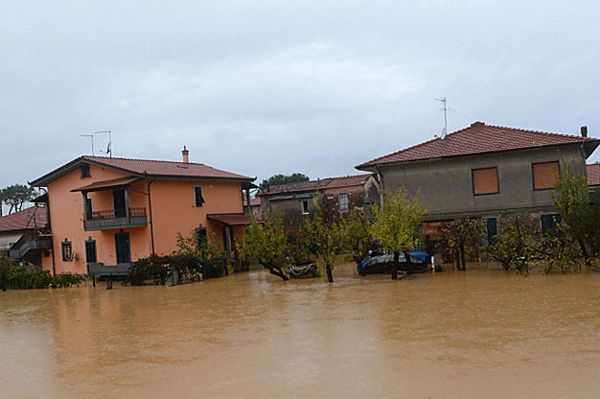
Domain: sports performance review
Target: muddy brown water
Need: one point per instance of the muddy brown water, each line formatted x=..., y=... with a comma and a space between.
x=479, y=334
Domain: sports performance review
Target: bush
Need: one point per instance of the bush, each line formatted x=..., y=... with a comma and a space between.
x=154, y=268
x=14, y=275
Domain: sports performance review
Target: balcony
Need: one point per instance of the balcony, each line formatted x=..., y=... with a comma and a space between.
x=108, y=219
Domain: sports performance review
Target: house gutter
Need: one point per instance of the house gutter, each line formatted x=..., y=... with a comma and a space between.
x=151, y=221
x=50, y=226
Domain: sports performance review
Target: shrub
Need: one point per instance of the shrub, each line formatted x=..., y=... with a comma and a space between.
x=154, y=268
x=14, y=275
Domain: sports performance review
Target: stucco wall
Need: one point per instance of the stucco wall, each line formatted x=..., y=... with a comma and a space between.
x=66, y=211
x=444, y=187
x=174, y=210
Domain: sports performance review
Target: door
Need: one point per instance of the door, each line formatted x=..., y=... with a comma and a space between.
x=123, y=248
x=88, y=209
x=119, y=206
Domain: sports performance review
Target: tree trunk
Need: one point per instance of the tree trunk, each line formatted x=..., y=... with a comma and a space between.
x=329, y=272
x=463, y=262
x=585, y=253
x=395, y=265
x=276, y=271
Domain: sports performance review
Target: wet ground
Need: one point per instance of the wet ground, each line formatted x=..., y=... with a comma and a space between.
x=479, y=334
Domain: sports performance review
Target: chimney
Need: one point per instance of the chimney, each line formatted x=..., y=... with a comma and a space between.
x=584, y=131
x=185, y=155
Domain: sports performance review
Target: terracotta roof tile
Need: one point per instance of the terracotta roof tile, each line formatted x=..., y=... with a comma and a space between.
x=166, y=168
x=30, y=218
x=593, y=174
x=313, y=185
x=478, y=138
x=106, y=184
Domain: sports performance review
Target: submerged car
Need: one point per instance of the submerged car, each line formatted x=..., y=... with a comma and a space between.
x=379, y=264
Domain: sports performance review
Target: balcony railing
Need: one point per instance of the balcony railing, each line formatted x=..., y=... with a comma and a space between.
x=108, y=219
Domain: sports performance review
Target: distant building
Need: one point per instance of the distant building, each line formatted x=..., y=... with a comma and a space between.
x=108, y=212
x=593, y=176
x=484, y=171
x=339, y=195
x=24, y=236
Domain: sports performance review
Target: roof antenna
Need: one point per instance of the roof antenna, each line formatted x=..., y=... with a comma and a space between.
x=91, y=136
x=109, y=146
x=445, y=109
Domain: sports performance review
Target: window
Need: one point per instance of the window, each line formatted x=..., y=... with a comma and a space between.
x=201, y=237
x=492, y=229
x=198, y=198
x=66, y=249
x=90, y=251
x=343, y=201
x=485, y=181
x=305, y=207
x=550, y=221
x=545, y=175
x=85, y=170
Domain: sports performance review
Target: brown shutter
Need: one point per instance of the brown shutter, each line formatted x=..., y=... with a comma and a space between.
x=485, y=181
x=545, y=175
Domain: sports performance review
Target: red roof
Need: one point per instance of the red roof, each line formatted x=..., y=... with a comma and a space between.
x=107, y=184
x=255, y=202
x=321, y=184
x=30, y=218
x=593, y=174
x=479, y=138
x=143, y=167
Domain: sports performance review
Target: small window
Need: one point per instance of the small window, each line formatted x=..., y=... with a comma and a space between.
x=485, y=181
x=492, y=229
x=545, y=175
x=67, y=251
x=85, y=170
x=90, y=251
x=201, y=237
x=550, y=221
x=343, y=201
x=199, y=199
x=305, y=207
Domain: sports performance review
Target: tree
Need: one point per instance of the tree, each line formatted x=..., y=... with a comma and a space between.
x=324, y=238
x=579, y=215
x=356, y=236
x=267, y=243
x=517, y=243
x=396, y=225
x=280, y=179
x=16, y=195
x=464, y=236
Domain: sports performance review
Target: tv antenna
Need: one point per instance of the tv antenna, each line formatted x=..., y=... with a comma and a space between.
x=109, y=146
x=91, y=137
x=444, y=101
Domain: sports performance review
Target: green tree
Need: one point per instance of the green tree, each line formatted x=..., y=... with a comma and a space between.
x=396, y=225
x=356, y=236
x=324, y=238
x=16, y=195
x=280, y=179
x=579, y=215
x=517, y=243
x=268, y=244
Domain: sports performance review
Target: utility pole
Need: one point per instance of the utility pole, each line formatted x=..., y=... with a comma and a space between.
x=445, y=109
x=91, y=136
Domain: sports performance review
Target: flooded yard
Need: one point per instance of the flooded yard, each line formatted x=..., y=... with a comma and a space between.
x=477, y=334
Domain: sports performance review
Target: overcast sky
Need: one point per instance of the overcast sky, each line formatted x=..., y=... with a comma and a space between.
x=261, y=88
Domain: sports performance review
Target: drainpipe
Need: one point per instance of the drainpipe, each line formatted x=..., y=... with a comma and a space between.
x=50, y=226
x=150, y=215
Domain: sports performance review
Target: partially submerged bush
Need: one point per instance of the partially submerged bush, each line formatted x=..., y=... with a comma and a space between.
x=14, y=275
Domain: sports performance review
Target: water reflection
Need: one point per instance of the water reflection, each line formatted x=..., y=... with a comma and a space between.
x=474, y=334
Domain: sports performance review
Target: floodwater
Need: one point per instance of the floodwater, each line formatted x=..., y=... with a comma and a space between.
x=479, y=334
